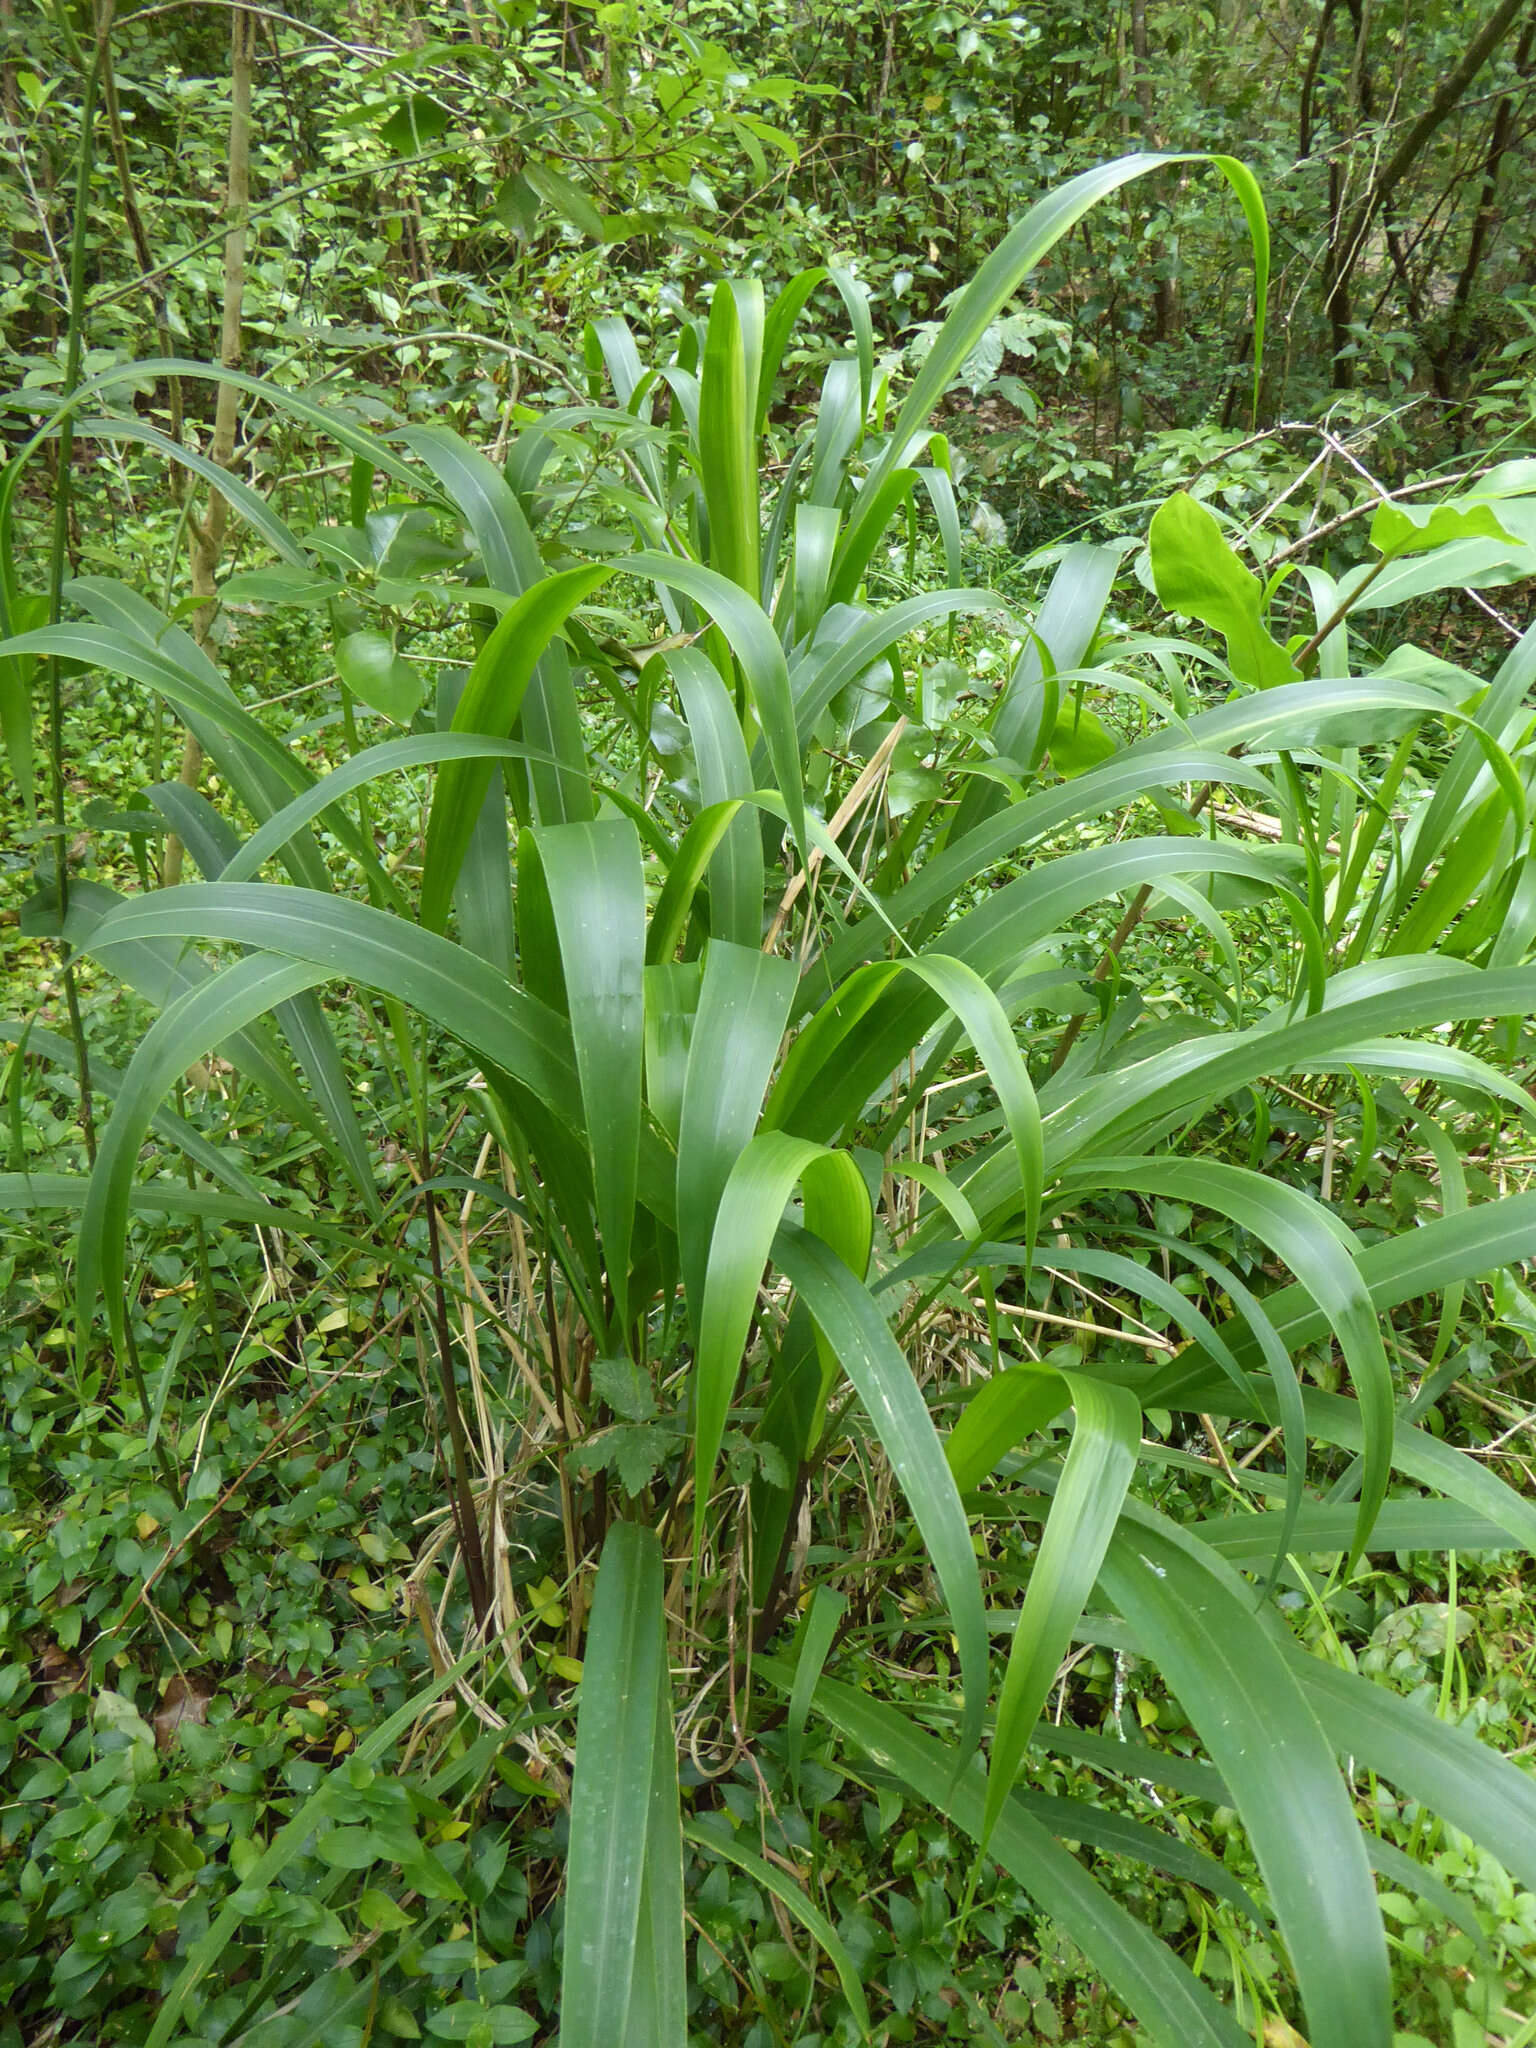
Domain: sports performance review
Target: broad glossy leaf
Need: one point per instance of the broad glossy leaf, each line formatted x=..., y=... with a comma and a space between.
x=379, y=677
x=1197, y=573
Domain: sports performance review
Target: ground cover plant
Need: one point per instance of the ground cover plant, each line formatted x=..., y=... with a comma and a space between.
x=788, y=1363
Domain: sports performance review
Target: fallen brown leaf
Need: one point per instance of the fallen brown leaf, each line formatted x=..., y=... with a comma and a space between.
x=183, y=1700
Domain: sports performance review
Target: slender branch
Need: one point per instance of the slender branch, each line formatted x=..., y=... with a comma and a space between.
x=207, y=534
x=1402, y=159
x=59, y=551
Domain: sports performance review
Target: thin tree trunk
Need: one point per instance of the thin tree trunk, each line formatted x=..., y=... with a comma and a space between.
x=1309, y=82
x=1349, y=245
x=157, y=289
x=1165, y=292
x=1485, y=221
x=208, y=532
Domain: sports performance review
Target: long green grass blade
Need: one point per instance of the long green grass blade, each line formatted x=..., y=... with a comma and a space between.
x=1082, y=1519
x=743, y=1008
x=725, y=772
x=492, y=700
x=1446, y=1767
x=989, y=290
x=751, y=1204
x=727, y=429
x=623, y=1684
x=713, y=1841
x=1242, y=1695
x=857, y=1333
x=1172, y=2004
x=596, y=885
x=1319, y=1250
x=181, y=1034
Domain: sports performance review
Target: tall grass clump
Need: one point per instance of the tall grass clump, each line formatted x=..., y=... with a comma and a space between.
x=803, y=1032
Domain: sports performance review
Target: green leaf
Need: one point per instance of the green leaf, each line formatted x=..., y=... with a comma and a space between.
x=1445, y=1767
x=416, y=121
x=725, y=772
x=713, y=1841
x=1079, y=740
x=822, y=1620
x=1003, y=1411
x=857, y=1333
x=596, y=885
x=622, y=1688
x=1400, y=529
x=743, y=1008
x=352, y=1849
x=979, y=304
x=566, y=197
x=181, y=1034
x=1173, y=2005
x=278, y=586
x=727, y=429
x=1196, y=573
x=749, y=630
x=491, y=702
x=1319, y=1250
x=1242, y=1695
x=1082, y=1519
x=469, y=2019
x=746, y=1221
x=551, y=715
x=378, y=677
